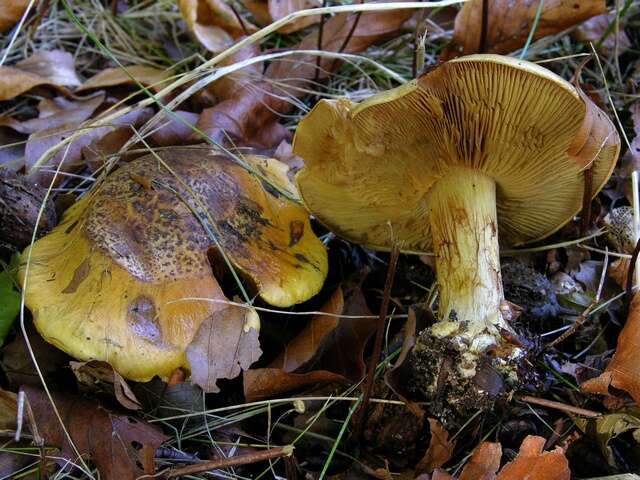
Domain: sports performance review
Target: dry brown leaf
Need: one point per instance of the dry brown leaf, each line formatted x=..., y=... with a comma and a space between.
x=56, y=112
x=533, y=463
x=593, y=29
x=439, y=451
x=228, y=85
x=623, y=371
x=259, y=9
x=302, y=348
x=509, y=22
x=120, y=446
x=173, y=131
x=250, y=115
x=263, y=383
x=225, y=345
x=40, y=142
x=10, y=12
x=213, y=23
x=129, y=75
x=96, y=372
x=281, y=8
x=55, y=68
x=8, y=410
x=484, y=462
x=327, y=350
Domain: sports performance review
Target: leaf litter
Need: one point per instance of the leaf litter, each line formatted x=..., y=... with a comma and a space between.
x=53, y=97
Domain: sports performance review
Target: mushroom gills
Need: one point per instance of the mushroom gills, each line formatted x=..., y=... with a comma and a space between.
x=464, y=230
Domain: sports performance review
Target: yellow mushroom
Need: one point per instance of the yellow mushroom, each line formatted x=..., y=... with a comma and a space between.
x=110, y=281
x=479, y=148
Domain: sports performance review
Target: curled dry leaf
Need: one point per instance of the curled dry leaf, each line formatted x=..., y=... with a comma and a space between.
x=126, y=277
x=509, y=22
x=623, y=371
x=267, y=11
x=250, y=115
x=531, y=463
x=55, y=68
x=439, y=451
x=56, y=112
x=593, y=29
x=8, y=410
x=10, y=12
x=120, y=446
x=89, y=142
x=213, y=23
x=172, y=131
x=329, y=349
x=226, y=344
x=96, y=374
x=129, y=75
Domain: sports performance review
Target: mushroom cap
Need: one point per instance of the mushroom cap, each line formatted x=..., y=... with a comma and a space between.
x=113, y=281
x=370, y=166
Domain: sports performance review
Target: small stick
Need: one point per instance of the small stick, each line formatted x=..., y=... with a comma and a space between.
x=240, y=19
x=563, y=407
x=632, y=266
x=484, y=26
x=230, y=462
x=585, y=314
x=319, y=46
x=377, y=348
x=347, y=39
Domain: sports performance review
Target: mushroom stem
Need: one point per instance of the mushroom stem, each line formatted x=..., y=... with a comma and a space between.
x=464, y=229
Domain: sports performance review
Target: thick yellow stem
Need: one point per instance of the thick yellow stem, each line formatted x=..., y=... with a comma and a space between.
x=464, y=230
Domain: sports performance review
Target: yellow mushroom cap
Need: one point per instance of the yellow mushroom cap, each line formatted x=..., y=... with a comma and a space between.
x=370, y=166
x=113, y=280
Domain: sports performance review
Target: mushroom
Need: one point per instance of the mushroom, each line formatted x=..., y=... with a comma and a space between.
x=478, y=145
x=119, y=279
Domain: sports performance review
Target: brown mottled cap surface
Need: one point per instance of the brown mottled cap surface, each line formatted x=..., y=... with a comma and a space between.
x=113, y=280
x=369, y=167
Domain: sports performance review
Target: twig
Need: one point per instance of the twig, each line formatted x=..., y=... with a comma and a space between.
x=319, y=47
x=377, y=348
x=484, y=26
x=629, y=284
x=240, y=19
x=587, y=312
x=347, y=39
x=230, y=462
x=563, y=407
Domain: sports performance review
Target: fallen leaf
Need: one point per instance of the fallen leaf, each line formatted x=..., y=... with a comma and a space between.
x=8, y=410
x=281, y=8
x=225, y=345
x=606, y=428
x=72, y=154
x=56, y=112
x=129, y=75
x=250, y=116
x=533, y=463
x=593, y=29
x=213, y=23
x=327, y=350
x=439, y=451
x=120, y=446
x=228, y=85
x=623, y=371
x=509, y=22
x=10, y=12
x=10, y=305
x=55, y=68
x=96, y=372
x=20, y=204
x=172, y=131
x=307, y=344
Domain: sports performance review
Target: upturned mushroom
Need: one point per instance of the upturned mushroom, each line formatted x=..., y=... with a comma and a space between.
x=479, y=149
x=124, y=275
